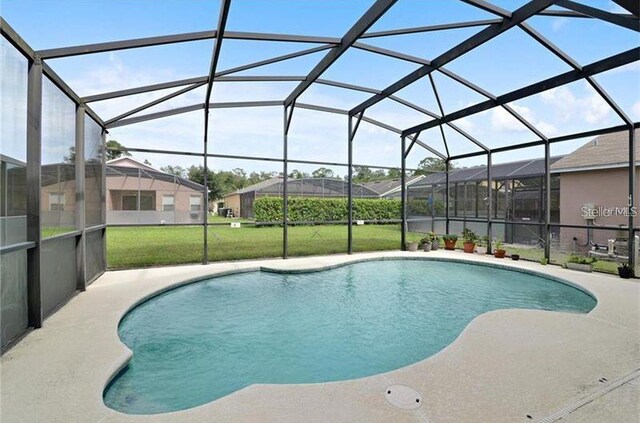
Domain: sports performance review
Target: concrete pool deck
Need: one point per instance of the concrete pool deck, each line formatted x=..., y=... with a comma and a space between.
x=506, y=366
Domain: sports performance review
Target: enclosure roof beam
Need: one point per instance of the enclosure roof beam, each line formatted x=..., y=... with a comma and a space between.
x=274, y=60
x=625, y=21
x=489, y=7
x=157, y=115
x=600, y=66
x=430, y=28
x=241, y=104
x=56, y=53
x=371, y=121
x=575, y=65
x=360, y=27
x=215, y=56
x=633, y=6
x=260, y=78
x=144, y=89
x=154, y=102
x=218, y=76
x=187, y=109
x=490, y=32
x=450, y=74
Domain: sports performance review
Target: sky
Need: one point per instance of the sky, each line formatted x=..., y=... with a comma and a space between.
x=508, y=62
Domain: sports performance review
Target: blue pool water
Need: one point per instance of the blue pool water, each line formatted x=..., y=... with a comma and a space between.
x=202, y=341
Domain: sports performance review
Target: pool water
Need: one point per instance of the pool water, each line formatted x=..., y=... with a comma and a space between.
x=205, y=340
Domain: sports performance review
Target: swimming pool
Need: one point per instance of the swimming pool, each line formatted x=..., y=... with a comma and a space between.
x=205, y=340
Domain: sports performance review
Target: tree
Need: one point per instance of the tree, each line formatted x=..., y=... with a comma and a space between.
x=322, y=172
x=112, y=150
x=71, y=158
x=430, y=165
x=196, y=174
x=174, y=170
x=296, y=174
x=394, y=173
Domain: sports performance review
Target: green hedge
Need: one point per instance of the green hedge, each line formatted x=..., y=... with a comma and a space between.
x=302, y=209
x=269, y=209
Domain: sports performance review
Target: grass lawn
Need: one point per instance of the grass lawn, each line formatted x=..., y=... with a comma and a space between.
x=129, y=247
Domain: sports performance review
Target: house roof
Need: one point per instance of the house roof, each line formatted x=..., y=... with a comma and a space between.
x=603, y=152
x=151, y=173
x=307, y=186
x=129, y=162
x=517, y=169
x=387, y=186
x=259, y=186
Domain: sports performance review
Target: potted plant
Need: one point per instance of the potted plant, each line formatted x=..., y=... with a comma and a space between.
x=425, y=243
x=544, y=261
x=515, y=257
x=470, y=238
x=581, y=263
x=499, y=252
x=450, y=241
x=412, y=246
x=435, y=243
x=483, y=244
x=624, y=271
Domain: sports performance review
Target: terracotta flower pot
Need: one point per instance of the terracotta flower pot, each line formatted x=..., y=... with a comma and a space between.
x=449, y=244
x=499, y=253
x=469, y=247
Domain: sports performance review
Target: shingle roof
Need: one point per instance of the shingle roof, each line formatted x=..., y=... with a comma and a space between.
x=307, y=186
x=519, y=169
x=151, y=174
x=384, y=186
x=603, y=152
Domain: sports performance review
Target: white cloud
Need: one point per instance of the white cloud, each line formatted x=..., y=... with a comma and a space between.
x=503, y=121
x=590, y=108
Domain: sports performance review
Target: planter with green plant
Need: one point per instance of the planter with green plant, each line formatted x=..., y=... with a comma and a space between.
x=499, y=252
x=581, y=263
x=435, y=243
x=470, y=238
x=624, y=271
x=425, y=243
x=450, y=241
x=544, y=261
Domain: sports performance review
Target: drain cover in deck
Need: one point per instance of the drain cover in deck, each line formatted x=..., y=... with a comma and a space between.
x=403, y=397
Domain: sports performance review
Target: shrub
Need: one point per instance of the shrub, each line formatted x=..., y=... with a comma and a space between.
x=302, y=209
x=575, y=258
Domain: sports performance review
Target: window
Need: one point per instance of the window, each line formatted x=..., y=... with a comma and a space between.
x=168, y=203
x=56, y=202
x=194, y=203
x=147, y=201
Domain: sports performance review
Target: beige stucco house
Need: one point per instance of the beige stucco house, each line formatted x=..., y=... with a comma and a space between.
x=594, y=181
x=138, y=193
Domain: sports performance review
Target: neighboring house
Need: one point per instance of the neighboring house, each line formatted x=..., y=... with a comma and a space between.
x=138, y=193
x=390, y=188
x=596, y=176
x=241, y=201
